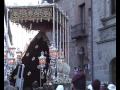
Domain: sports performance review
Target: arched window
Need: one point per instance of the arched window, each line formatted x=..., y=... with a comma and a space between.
x=113, y=7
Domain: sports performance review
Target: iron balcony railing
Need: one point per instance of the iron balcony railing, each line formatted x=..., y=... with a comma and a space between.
x=78, y=31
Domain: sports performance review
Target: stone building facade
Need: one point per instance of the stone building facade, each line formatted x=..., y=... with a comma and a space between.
x=98, y=41
x=104, y=40
x=79, y=14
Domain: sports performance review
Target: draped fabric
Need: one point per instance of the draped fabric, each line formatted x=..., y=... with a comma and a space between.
x=6, y=15
x=31, y=72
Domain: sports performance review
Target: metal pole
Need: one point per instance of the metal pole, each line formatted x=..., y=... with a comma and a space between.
x=92, y=61
x=57, y=43
x=68, y=43
x=40, y=77
x=60, y=35
x=57, y=29
x=66, y=39
x=53, y=23
x=63, y=37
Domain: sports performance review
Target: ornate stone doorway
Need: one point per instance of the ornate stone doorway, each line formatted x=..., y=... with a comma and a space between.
x=113, y=71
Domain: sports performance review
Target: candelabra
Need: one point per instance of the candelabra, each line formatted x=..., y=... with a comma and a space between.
x=53, y=62
x=42, y=62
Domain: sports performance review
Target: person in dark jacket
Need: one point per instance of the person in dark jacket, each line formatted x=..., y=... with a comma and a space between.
x=96, y=84
x=79, y=81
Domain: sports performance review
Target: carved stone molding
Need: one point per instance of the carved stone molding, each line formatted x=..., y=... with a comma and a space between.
x=107, y=33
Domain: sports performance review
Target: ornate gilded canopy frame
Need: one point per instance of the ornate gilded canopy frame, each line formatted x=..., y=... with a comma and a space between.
x=34, y=14
x=29, y=13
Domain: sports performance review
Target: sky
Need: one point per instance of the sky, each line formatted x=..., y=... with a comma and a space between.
x=19, y=35
x=21, y=2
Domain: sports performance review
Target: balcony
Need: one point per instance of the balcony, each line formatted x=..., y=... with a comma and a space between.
x=108, y=32
x=78, y=31
x=51, y=1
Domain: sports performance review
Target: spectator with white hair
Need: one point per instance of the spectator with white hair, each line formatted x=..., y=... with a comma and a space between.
x=60, y=87
x=111, y=87
x=89, y=87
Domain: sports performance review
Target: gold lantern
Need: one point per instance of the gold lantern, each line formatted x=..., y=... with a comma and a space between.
x=53, y=51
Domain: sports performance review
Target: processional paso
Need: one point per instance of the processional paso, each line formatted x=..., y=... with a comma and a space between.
x=49, y=62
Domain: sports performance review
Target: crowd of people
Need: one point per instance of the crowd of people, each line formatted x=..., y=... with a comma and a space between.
x=79, y=82
x=96, y=85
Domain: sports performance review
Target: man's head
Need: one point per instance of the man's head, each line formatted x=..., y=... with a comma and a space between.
x=96, y=84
